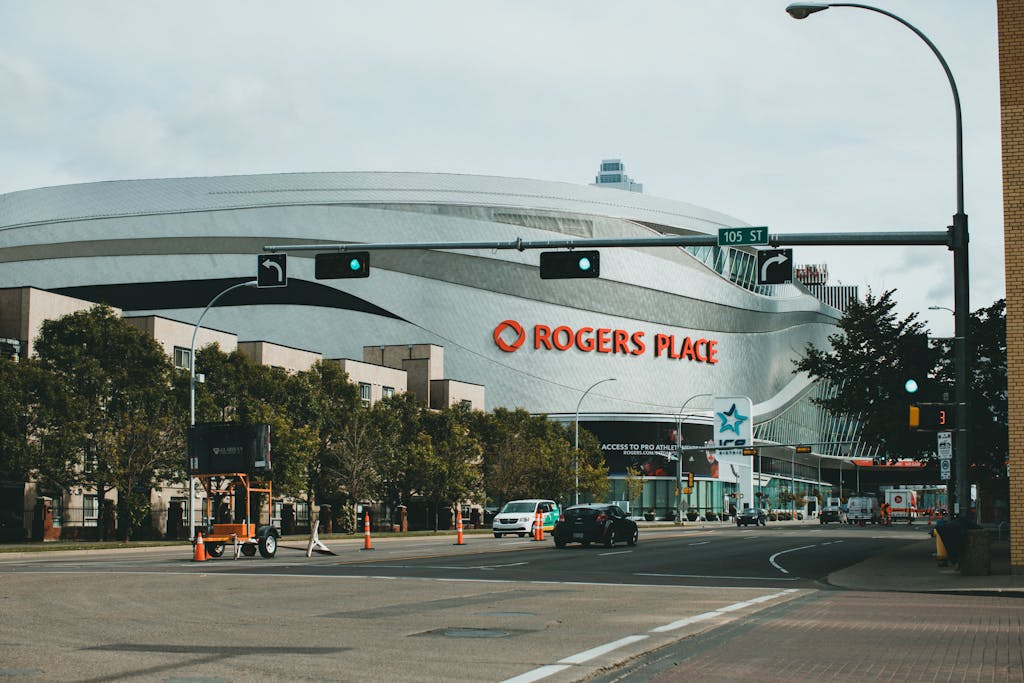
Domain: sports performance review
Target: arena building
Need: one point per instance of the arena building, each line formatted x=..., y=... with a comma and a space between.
x=670, y=325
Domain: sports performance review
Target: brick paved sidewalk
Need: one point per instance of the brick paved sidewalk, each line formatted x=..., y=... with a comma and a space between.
x=853, y=636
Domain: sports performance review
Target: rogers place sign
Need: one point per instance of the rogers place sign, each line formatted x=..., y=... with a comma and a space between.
x=510, y=335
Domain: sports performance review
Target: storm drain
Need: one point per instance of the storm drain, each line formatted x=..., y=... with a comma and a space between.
x=5, y=673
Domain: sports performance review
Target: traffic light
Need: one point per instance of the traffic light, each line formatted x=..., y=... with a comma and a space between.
x=918, y=362
x=937, y=416
x=689, y=480
x=749, y=451
x=342, y=264
x=560, y=265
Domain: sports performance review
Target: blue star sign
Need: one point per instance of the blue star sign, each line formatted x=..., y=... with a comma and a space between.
x=731, y=420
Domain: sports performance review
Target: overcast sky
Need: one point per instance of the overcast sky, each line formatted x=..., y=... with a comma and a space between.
x=840, y=122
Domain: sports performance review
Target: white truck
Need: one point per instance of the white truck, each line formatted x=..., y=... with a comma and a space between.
x=863, y=508
x=902, y=503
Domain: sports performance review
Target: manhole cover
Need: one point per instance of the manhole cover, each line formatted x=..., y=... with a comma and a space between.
x=474, y=633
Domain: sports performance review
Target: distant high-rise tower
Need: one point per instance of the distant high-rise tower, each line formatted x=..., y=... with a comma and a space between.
x=613, y=174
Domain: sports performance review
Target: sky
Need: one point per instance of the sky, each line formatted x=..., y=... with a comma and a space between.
x=842, y=122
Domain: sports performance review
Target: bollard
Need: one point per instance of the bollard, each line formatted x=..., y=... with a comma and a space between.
x=367, y=545
x=458, y=526
x=538, y=526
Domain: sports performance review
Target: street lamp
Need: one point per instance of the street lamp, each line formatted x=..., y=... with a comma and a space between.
x=192, y=400
x=679, y=456
x=941, y=308
x=958, y=234
x=580, y=402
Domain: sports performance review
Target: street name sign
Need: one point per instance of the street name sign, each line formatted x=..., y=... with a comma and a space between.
x=739, y=237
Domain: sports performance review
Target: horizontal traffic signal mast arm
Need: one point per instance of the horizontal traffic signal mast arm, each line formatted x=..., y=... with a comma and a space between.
x=919, y=237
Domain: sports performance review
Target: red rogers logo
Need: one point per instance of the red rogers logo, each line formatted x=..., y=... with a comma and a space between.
x=608, y=340
x=515, y=327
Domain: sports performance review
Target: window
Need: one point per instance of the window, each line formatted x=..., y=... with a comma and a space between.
x=90, y=510
x=388, y=392
x=611, y=166
x=182, y=358
x=91, y=460
x=364, y=394
x=466, y=403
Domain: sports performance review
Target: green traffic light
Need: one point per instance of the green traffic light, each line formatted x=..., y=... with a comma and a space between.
x=911, y=386
x=355, y=265
x=584, y=264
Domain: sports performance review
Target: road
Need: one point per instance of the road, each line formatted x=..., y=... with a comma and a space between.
x=418, y=608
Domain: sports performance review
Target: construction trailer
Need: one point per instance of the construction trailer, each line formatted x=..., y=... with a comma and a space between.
x=232, y=462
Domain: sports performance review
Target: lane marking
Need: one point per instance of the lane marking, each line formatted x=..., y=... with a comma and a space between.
x=587, y=655
x=783, y=552
x=617, y=552
x=700, y=543
x=537, y=674
x=719, y=576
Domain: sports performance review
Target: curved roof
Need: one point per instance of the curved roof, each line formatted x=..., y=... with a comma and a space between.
x=110, y=199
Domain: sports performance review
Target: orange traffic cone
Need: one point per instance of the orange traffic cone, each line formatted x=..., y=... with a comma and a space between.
x=366, y=533
x=458, y=526
x=538, y=526
x=199, y=553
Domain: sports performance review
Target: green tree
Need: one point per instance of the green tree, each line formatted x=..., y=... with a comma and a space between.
x=448, y=468
x=398, y=425
x=871, y=357
x=121, y=412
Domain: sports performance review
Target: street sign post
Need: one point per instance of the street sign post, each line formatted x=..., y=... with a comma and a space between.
x=738, y=237
x=944, y=447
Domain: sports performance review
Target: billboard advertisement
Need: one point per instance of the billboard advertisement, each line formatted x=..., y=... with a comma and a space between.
x=651, y=447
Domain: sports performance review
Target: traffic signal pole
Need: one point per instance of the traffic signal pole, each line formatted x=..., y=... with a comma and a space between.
x=953, y=238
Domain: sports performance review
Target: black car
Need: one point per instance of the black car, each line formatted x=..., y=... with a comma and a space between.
x=594, y=523
x=755, y=516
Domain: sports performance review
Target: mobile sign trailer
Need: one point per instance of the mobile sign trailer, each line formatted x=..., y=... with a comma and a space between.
x=232, y=462
x=231, y=489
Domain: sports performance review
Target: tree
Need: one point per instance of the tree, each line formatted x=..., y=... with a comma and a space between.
x=121, y=414
x=634, y=484
x=449, y=465
x=870, y=360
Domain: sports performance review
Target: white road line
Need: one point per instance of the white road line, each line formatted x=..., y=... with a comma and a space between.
x=701, y=543
x=587, y=655
x=537, y=674
x=719, y=576
x=617, y=552
x=783, y=552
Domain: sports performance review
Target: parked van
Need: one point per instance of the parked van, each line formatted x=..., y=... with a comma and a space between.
x=863, y=508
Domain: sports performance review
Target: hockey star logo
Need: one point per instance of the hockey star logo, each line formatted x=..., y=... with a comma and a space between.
x=499, y=338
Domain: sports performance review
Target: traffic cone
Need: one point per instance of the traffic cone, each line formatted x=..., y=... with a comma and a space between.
x=366, y=533
x=538, y=526
x=199, y=552
x=458, y=526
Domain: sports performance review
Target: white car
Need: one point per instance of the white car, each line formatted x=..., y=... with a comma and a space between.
x=519, y=517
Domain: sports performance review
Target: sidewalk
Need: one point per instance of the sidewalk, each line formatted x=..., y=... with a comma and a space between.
x=913, y=568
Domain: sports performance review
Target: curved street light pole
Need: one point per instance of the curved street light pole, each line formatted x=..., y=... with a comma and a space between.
x=958, y=244
x=577, y=445
x=679, y=456
x=192, y=400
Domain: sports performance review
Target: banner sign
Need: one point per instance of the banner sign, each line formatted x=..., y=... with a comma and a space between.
x=651, y=447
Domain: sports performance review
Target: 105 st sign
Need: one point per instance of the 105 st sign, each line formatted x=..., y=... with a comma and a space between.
x=736, y=237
